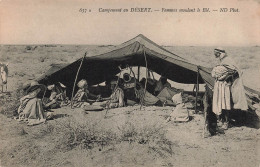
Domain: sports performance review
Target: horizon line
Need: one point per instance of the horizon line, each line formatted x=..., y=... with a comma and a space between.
x=253, y=45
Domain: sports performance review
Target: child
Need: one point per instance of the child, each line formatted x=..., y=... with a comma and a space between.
x=180, y=113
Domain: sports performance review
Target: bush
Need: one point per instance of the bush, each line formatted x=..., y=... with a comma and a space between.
x=142, y=135
x=28, y=47
x=20, y=73
x=83, y=134
x=42, y=58
x=153, y=135
x=10, y=102
x=88, y=135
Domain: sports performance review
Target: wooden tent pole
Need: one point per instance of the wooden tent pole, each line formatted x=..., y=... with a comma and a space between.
x=197, y=89
x=146, y=77
x=138, y=74
x=146, y=73
x=131, y=70
x=71, y=103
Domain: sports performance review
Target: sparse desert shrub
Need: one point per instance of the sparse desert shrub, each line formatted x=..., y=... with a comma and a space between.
x=154, y=135
x=10, y=102
x=83, y=134
x=104, y=45
x=28, y=47
x=88, y=135
x=45, y=130
x=128, y=132
x=143, y=134
x=43, y=58
x=50, y=46
x=19, y=73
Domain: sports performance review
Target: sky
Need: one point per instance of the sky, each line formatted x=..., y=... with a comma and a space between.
x=61, y=22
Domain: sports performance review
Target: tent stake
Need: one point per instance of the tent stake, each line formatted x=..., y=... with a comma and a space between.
x=197, y=89
x=77, y=78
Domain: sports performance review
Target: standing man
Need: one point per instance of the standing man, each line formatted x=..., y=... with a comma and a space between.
x=229, y=91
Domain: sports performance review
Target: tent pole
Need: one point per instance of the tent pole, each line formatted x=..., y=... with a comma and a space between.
x=197, y=89
x=138, y=75
x=146, y=73
x=146, y=77
x=71, y=103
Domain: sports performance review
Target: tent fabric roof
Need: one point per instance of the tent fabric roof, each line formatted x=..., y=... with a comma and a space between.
x=135, y=52
x=54, y=68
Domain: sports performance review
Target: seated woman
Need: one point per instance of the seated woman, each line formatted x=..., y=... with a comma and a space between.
x=116, y=99
x=83, y=96
x=31, y=108
x=57, y=97
x=150, y=85
x=161, y=84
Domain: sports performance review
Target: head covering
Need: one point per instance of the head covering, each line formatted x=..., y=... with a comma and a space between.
x=50, y=87
x=34, y=85
x=177, y=99
x=113, y=82
x=61, y=84
x=82, y=83
x=117, y=80
x=163, y=79
x=219, y=49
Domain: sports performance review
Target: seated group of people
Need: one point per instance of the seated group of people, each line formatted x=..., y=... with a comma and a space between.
x=31, y=107
x=84, y=98
x=35, y=107
x=155, y=87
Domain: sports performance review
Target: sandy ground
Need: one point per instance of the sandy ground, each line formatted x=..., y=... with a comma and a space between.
x=22, y=145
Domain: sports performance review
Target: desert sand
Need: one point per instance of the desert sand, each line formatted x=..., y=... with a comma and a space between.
x=128, y=136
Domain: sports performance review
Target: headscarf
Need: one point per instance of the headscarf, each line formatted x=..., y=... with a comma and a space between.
x=82, y=83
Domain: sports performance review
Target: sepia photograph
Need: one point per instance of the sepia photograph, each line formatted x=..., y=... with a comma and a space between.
x=129, y=83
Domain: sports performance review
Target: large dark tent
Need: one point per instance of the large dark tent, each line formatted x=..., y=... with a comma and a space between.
x=139, y=51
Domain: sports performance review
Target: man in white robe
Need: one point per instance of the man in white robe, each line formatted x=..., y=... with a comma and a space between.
x=229, y=91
